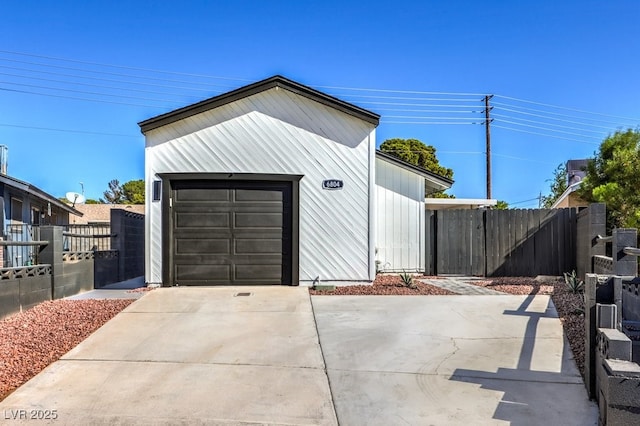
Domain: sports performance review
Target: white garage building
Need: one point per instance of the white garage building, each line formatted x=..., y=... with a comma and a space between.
x=278, y=183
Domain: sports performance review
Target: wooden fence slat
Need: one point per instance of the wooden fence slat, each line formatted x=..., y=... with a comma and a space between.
x=525, y=242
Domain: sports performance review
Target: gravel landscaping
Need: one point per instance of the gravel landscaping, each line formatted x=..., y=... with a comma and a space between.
x=385, y=285
x=31, y=340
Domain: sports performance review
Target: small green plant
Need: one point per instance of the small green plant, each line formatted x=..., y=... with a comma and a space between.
x=407, y=280
x=575, y=285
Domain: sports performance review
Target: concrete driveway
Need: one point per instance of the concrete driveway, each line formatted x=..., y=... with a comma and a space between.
x=214, y=356
x=450, y=360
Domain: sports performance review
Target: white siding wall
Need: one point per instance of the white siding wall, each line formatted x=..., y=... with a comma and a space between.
x=278, y=132
x=400, y=220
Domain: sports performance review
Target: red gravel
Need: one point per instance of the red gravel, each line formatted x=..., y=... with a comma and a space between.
x=31, y=340
x=387, y=285
x=516, y=285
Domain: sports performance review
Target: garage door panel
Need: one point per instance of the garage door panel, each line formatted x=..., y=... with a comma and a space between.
x=262, y=195
x=258, y=220
x=195, y=272
x=202, y=245
x=231, y=232
x=261, y=246
x=203, y=194
x=262, y=273
x=202, y=220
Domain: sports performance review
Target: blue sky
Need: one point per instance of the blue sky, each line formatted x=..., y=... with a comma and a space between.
x=77, y=77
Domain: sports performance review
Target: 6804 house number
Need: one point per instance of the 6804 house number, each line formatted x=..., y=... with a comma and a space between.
x=31, y=414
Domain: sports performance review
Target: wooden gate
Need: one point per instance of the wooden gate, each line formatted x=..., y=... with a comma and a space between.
x=501, y=242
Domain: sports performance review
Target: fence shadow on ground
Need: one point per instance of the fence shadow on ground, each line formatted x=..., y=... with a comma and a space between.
x=527, y=392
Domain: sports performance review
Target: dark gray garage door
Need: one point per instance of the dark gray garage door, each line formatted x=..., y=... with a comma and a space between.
x=231, y=232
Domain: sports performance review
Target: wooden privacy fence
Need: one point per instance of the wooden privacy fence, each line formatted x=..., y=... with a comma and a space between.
x=501, y=242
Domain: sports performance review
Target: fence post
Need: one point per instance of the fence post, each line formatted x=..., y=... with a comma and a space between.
x=624, y=264
x=617, y=300
x=52, y=254
x=591, y=281
x=597, y=226
x=118, y=239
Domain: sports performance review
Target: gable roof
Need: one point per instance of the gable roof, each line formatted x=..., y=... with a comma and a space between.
x=36, y=192
x=570, y=190
x=439, y=181
x=252, y=89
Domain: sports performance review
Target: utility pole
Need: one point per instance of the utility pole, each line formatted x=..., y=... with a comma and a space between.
x=487, y=124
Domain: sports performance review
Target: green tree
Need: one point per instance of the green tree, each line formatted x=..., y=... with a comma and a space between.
x=557, y=187
x=501, y=205
x=612, y=178
x=417, y=153
x=131, y=192
x=134, y=191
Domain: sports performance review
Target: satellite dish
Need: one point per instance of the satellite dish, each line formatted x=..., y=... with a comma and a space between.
x=75, y=198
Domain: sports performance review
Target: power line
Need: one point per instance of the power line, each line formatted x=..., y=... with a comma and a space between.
x=411, y=98
x=511, y=157
x=461, y=152
x=566, y=108
x=429, y=123
x=547, y=124
x=431, y=118
x=137, y=83
x=542, y=134
x=123, y=67
x=427, y=111
x=87, y=85
x=97, y=72
x=359, y=89
x=544, y=128
x=79, y=99
x=88, y=93
x=68, y=130
x=558, y=119
x=405, y=104
x=501, y=104
x=524, y=201
x=416, y=92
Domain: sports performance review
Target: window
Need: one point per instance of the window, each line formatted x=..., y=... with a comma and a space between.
x=35, y=216
x=16, y=211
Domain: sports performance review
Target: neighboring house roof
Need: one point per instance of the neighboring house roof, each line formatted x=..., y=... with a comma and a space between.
x=458, y=203
x=252, y=89
x=439, y=182
x=570, y=189
x=36, y=192
x=101, y=213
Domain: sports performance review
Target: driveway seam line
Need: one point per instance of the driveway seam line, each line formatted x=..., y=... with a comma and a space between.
x=479, y=376
x=324, y=361
x=153, y=361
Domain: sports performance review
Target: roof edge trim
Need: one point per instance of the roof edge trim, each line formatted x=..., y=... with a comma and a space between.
x=445, y=182
x=252, y=89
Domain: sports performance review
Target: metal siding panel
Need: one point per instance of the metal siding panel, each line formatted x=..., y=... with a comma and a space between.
x=285, y=134
x=400, y=228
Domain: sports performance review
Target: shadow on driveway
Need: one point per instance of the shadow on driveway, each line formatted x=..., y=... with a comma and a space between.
x=450, y=360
